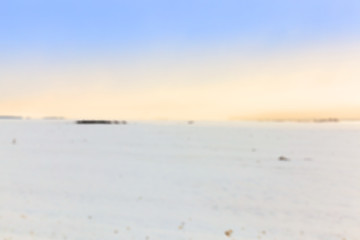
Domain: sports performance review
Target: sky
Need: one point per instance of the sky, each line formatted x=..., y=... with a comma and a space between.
x=176, y=60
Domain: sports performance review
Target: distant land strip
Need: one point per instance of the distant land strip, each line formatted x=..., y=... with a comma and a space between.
x=100, y=122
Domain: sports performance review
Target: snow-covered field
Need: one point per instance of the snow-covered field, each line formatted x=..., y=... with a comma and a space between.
x=173, y=181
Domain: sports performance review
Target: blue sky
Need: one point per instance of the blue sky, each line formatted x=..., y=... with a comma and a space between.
x=180, y=59
x=82, y=26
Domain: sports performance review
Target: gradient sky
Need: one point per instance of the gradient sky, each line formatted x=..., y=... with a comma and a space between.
x=211, y=60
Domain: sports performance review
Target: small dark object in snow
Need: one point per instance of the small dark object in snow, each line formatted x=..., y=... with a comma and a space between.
x=190, y=122
x=228, y=233
x=282, y=158
x=182, y=225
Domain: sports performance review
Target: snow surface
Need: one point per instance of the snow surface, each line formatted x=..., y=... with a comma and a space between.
x=166, y=181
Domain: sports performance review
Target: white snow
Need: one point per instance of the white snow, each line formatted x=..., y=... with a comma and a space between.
x=174, y=181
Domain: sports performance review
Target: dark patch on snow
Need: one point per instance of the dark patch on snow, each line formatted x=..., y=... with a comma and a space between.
x=283, y=158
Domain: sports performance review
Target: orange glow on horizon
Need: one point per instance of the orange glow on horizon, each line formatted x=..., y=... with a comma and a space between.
x=316, y=83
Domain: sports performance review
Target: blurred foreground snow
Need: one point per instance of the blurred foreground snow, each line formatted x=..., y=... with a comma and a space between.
x=170, y=181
